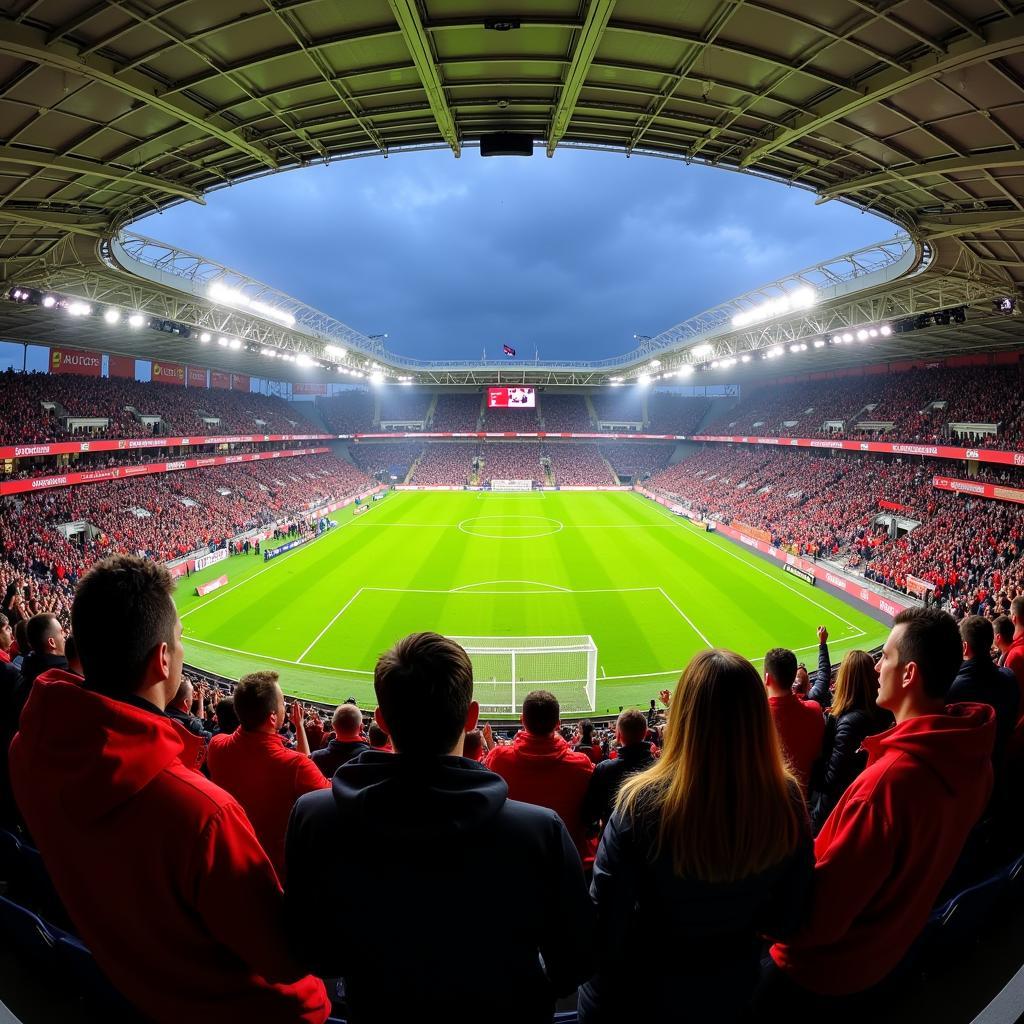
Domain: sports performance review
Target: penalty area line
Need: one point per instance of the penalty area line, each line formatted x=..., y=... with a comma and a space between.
x=317, y=638
x=689, y=621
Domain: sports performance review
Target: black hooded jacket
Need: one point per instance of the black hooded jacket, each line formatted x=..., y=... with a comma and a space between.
x=435, y=841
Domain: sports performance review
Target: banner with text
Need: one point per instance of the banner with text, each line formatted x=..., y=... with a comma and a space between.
x=240, y=382
x=196, y=377
x=121, y=366
x=168, y=373
x=80, y=361
x=994, y=492
x=219, y=379
x=28, y=451
x=309, y=389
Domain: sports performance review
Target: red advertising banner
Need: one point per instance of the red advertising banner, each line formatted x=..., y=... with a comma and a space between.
x=196, y=377
x=994, y=492
x=80, y=361
x=94, y=476
x=24, y=451
x=935, y=451
x=309, y=389
x=205, y=588
x=219, y=379
x=239, y=382
x=893, y=506
x=121, y=366
x=168, y=373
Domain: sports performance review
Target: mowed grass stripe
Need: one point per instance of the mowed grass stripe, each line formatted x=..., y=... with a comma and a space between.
x=279, y=613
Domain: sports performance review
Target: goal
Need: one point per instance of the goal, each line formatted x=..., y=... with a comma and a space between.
x=508, y=486
x=507, y=668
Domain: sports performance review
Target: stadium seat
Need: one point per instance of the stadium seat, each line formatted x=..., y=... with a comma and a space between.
x=25, y=931
x=10, y=854
x=960, y=920
x=92, y=984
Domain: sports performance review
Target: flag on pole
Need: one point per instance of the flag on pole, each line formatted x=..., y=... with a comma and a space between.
x=509, y=351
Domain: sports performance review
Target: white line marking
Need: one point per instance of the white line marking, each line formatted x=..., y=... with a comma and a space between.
x=488, y=583
x=316, y=639
x=756, y=568
x=604, y=675
x=280, y=661
x=538, y=593
x=689, y=621
x=277, y=561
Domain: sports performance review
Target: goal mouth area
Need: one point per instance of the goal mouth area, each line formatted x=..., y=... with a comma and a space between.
x=507, y=668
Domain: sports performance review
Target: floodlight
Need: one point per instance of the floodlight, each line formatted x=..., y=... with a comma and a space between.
x=745, y=359
x=49, y=301
x=376, y=377
x=234, y=344
x=862, y=335
x=205, y=337
x=819, y=342
x=685, y=370
x=885, y=330
x=112, y=316
x=223, y=342
x=644, y=379
x=701, y=350
x=136, y=320
x=847, y=337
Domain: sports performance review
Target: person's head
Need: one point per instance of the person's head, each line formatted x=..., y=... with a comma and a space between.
x=631, y=727
x=378, y=738
x=540, y=713
x=347, y=722
x=424, y=688
x=227, y=717
x=586, y=732
x=45, y=634
x=802, y=679
x=1003, y=629
x=145, y=654
x=1017, y=615
x=259, y=702
x=977, y=635
x=21, y=636
x=779, y=670
x=183, y=698
x=919, y=662
x=6, y=633
x=724, y=804
x=473, y=745
x=71, y=655
x=856, y=684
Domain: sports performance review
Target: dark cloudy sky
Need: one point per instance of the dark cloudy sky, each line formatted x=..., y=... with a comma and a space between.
x=572, y=255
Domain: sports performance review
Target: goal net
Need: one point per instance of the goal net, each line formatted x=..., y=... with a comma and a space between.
x=508, y=486
x=507, y=668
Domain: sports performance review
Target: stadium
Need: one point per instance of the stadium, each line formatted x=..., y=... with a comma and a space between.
x=757, y=575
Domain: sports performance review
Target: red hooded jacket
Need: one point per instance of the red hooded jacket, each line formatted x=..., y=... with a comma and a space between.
x=546, y=771
x=159, y=868
x=1015, y=663
x=889, y=846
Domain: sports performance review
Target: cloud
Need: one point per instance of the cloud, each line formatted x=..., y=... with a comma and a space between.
x=572, y=255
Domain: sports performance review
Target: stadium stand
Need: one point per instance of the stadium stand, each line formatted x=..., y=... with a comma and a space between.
x=619, y=405
x=510, y=420
x=578, y=465
x=350, y=412
x=511, y=461
x=637, y=460
x=401, y=404
x=376, y=458
x=565, y=413
x=673, y=414
x=457, y=411
x=444, y=465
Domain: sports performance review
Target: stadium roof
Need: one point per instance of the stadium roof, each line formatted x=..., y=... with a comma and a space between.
x=912, y=109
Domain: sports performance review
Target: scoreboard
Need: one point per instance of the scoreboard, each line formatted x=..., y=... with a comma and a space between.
x=511, y=398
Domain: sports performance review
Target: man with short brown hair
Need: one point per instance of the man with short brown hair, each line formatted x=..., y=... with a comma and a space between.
x=634, y=755
x=255, y=766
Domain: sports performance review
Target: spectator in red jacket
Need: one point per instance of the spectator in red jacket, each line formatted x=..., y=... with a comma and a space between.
x=6, y=637
x=158, y=868
x=540, y=767
x=255, y=766
x=893, y=839
x=1014, y=661
x=799, y=723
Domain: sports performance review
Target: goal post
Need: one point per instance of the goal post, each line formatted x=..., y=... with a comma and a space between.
x=507, y=668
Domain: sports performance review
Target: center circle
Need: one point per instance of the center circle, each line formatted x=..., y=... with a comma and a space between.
x=511, y=527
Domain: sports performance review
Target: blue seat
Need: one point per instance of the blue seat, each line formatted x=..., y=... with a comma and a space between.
x=25, y=930
x=35, y=889
x=93, y=985
x=10, y=854
x=960, y=920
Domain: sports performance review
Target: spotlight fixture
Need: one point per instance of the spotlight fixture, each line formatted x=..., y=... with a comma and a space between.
x=205, y=337
x=112, y=315
x=136, y=320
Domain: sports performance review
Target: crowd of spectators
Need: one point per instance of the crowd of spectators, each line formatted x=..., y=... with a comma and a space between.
x=565, y=414
x=404, y=404
x=777, y=842
x=374, y=459
x=511, y=461
x=184, y=411
x=457, y=411
x=619, y=405
x=676, y=414
x=637, y=459
x=518, y=420
x=447, y=464
x=921, y=404
x=578, y=465
x=348, y=412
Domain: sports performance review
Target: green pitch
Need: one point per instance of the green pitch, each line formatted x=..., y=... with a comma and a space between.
x=650, y=588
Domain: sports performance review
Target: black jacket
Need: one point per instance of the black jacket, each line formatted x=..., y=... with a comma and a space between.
x=821, y=682
x=432, y=840
x=190, y=722
x=841, y=759
x=608, y=777
x=336, y=753
x=696, y=945
x=981, y=681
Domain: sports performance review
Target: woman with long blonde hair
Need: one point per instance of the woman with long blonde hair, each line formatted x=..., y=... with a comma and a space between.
x=853, y=716
x=707, y=850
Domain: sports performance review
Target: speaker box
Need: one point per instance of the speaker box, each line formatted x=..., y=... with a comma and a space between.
x=506, y=144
